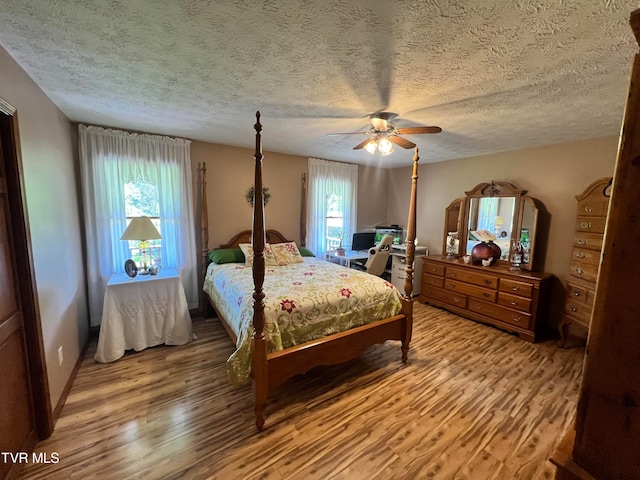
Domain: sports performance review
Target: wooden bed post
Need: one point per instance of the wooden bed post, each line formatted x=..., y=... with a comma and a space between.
x=303, y=210
x=259, y=358
x=407, y=297
x=607, y=425
x=205, y=235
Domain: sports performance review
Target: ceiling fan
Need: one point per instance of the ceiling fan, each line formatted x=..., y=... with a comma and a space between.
x=383, y=134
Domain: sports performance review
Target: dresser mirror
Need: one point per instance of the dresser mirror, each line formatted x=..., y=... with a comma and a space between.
x=496, y=211
x=453, y=218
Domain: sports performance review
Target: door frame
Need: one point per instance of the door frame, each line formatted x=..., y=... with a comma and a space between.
x=25, y=276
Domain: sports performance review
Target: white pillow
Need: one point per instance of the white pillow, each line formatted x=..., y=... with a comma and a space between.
x=287, y=253
x=269, y=257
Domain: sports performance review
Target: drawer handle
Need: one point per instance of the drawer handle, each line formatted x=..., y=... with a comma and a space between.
x=488, y=281
x=580, y=255
x=513, y=303
x=573, y=309
x=515, y=289
x=453, y=274
x=456, y=300
x=583, y=242
x=576, y=294
x=517, y=319
x=433, y=269
x=485, y=294
x=588, y=209
x=585, y=224
x=578, y=270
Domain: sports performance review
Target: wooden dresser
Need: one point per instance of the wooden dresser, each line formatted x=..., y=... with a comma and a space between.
x=591, y=218
x=515, y=301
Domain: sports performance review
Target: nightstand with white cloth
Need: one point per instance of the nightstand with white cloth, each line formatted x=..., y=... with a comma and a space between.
x=141, y=312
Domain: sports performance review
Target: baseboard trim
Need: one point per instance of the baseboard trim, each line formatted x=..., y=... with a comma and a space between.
x=67, y=388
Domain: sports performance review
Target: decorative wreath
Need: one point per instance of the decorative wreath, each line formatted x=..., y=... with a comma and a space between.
x=251, y=192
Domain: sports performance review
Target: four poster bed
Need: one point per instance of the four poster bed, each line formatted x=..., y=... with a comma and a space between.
x=288, y=316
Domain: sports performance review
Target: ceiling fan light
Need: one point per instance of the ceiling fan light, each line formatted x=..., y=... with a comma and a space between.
x=385, y=146
x=371, y=147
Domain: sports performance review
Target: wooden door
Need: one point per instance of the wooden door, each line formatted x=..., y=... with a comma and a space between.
x=17, y=418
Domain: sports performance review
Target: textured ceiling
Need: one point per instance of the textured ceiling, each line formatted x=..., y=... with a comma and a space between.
x=495, y=75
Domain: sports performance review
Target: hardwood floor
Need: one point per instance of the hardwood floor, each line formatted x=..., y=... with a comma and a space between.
x=473, y=403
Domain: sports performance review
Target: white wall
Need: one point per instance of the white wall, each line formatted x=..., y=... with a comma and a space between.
x=49, y=160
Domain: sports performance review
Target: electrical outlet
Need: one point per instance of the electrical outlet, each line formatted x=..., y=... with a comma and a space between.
x=60, y=357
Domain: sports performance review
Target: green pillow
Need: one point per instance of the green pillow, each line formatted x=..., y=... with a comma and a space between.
x=305, y=252
x=226, y=255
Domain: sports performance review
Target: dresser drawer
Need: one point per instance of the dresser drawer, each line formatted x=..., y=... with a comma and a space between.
x=580, y=312
x=591, y=224
x=595, y=208
x=583, y=255
x=579, y=294
x=432, y=281
x=470, y=290
x=514, y=301
x=591, y=241
x=433, y=268
x=499, y=312
x=516, y=288
x=445, y=296
x=475, y=278
x=584, y=271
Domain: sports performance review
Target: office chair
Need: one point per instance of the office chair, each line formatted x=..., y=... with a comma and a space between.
x=378, y=256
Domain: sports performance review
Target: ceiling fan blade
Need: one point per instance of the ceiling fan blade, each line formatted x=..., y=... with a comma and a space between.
x=401, y=141
x=365, y=143
x=416, y=130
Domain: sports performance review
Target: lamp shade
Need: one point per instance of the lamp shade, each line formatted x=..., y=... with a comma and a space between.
x=141, y=228
x=498, y=220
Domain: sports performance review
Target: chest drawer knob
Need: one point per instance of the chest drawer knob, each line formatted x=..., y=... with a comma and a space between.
x=572, y=308
x=585, y=224
x=576, y=294
x=513, y=303
x=488, y=281
x=485, y=294
x=583, y=242
x=578, y=270
x=515, y=289
x=580, y=255
x=588, y=209
x=516, y=319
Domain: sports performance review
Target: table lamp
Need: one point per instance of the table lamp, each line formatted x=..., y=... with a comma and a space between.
x=497, y=224
x=143, y=230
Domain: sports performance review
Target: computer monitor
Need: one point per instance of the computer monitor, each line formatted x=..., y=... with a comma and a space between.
x=363, y=241
x=394, y=231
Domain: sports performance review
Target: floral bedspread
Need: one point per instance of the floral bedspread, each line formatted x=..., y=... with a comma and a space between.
x=303, y=302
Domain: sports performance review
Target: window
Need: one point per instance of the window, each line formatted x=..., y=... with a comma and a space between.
x=335, y=222
x=333, y=198
x=126, y=175
x=141, y=199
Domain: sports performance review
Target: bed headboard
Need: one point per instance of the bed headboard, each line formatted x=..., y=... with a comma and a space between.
x=273, y=236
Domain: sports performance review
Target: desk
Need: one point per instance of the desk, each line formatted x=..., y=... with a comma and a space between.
x=349, y=255
x=142, y=312
x=399, y=265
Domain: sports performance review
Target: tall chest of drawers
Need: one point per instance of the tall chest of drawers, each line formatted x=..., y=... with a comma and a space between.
x=515, y=301
x=591, y=218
